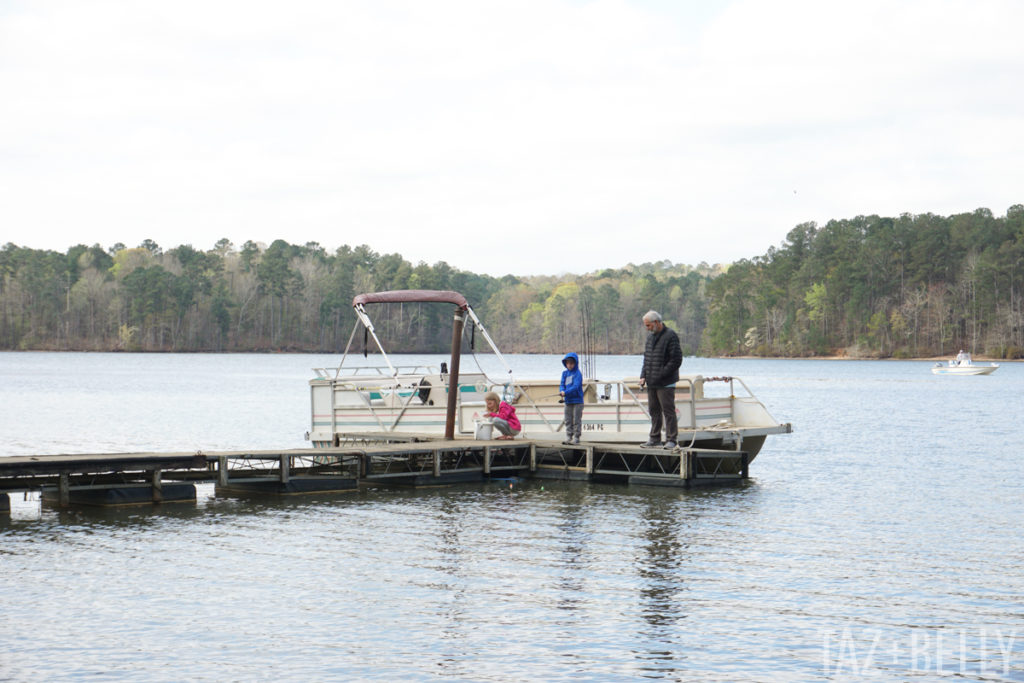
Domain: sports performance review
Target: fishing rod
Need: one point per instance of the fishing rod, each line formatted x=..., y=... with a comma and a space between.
x=587, y=364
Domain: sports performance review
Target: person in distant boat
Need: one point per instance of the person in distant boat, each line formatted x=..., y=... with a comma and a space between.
x=662, y=358
x=503, y=416
x=961, y=357
x=571, y=391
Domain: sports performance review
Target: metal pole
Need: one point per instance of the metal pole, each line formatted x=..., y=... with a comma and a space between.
x=453, y=375
x=285, y=468
x=64, y=489
x=158, y=485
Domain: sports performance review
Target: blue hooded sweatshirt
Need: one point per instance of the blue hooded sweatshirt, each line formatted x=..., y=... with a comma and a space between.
x=572, y=381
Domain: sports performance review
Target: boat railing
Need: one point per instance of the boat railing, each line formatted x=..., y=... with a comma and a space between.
x=732, y=381
x=625, y=393
x=619, y=392
x=745, y=409
x=394, y=395
x=519, y=391
x=374, y=370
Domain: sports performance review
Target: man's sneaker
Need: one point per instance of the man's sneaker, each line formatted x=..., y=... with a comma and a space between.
x=575, y=441
x=670, y=445
x=651, y=443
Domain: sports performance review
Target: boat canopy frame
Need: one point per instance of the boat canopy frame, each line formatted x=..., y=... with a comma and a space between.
x=360, y=301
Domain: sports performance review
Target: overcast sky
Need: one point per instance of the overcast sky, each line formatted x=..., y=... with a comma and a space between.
x=525, y=137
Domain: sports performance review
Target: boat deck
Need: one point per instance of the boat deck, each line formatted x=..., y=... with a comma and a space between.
x=365, y=459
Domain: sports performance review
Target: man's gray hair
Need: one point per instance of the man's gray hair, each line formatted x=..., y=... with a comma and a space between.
x=652, y=317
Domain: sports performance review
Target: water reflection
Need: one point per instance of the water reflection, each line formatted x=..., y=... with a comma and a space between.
x=449, y=530
x=571, y=539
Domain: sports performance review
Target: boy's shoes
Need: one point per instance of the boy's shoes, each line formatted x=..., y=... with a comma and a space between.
x=651, y=443
x=567, y=442
x=670, y=445
x=575, y=441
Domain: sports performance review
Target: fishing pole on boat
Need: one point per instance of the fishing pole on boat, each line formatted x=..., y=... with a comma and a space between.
x=586, y=347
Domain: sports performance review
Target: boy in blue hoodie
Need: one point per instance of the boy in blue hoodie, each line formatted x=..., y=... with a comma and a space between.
x=571, y=389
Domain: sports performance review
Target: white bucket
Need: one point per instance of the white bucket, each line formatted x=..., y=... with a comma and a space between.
x=483, y=429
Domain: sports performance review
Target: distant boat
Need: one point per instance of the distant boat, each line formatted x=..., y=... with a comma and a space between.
x=963, y=365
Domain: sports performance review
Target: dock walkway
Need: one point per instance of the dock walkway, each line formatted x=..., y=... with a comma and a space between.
x=364, y=459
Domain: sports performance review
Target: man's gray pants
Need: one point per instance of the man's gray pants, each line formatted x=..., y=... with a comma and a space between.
x=661, y=403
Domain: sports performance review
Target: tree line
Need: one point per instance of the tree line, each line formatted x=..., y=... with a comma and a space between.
x=872, y=286
x=915, y=285
x=288, y=297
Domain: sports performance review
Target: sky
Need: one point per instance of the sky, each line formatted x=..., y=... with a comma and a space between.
x=531, y=137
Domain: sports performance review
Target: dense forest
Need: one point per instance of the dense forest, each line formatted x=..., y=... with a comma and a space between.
x=916, y=285
x=286, y=297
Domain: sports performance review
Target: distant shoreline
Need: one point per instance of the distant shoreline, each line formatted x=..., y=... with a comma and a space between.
x=941, y=359
x=933, y=359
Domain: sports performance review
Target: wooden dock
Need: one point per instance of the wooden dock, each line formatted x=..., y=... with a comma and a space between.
x=364, y=459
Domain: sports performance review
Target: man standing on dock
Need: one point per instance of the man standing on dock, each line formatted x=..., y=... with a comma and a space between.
x=662, y=358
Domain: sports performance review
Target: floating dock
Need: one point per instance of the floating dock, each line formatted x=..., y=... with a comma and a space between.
x=364, y=459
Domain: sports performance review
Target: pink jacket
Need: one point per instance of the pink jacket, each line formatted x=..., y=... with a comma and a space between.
x=507, y=413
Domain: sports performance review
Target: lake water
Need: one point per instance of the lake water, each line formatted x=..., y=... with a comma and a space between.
x=881, y=540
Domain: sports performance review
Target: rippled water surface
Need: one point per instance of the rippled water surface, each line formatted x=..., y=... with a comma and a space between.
x=882, y=539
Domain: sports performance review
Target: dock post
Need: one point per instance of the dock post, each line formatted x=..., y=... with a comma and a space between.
x=590, y=459
x=64, y=490
x=487, y=459
x=158, y=486
x=437, y=463
x=285, y=461
x=688, y=465
x=533, y=457
x=745, y=465
x=222, y=471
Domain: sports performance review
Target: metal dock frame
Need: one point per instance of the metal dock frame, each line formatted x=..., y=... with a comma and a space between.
x=147, y=478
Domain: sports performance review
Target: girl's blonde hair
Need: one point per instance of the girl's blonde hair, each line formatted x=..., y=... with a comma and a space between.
x=492, y=395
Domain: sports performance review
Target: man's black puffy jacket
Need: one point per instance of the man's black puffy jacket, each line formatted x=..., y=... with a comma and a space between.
x=662, y=358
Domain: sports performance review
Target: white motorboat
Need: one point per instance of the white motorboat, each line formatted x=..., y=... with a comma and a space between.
x=963, y=365
x=354, y=402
